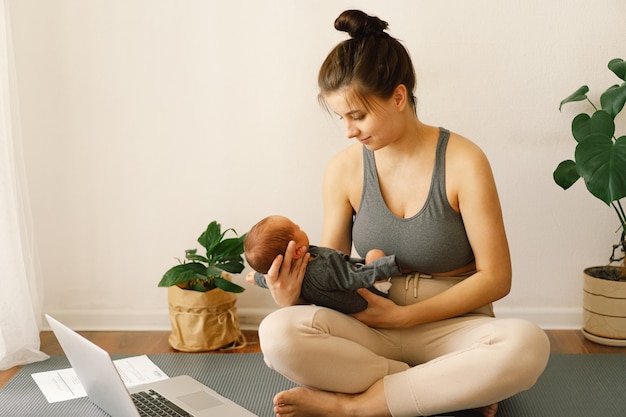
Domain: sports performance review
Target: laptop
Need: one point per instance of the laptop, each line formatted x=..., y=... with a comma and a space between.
x=104, y=386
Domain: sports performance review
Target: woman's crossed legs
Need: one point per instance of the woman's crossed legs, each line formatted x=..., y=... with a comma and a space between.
x=351, y=369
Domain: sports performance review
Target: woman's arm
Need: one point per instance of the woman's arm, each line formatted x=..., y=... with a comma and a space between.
x=340, y=194
x=471, y=188
x=284, y=278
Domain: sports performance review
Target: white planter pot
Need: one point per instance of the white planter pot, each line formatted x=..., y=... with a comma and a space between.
x=604, y=310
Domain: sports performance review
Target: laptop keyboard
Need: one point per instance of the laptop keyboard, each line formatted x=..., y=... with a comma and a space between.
x=150, y=403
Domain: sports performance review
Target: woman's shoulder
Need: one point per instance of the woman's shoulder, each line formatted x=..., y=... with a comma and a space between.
x=467, y=166
x=342, y=186
x=462, y=153
x=348, y=160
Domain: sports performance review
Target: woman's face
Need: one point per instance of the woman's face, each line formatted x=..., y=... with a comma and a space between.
x=374, y=126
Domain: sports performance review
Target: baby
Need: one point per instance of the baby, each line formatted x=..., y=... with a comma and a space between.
x=331, y=278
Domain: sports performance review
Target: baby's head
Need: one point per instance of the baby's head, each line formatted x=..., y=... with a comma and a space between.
x=269, y=238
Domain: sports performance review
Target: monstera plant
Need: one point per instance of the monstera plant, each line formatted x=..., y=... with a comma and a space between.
x=600, y=160
x=600, y=156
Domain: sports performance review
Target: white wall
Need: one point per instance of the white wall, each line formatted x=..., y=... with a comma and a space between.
x=143, y=120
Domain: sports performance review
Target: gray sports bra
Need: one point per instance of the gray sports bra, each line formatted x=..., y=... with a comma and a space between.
x=432, y=241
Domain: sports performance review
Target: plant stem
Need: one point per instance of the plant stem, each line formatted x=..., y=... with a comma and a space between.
x=592, y=105
x=617, y=205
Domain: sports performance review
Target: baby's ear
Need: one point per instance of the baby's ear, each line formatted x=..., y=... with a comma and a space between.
x=299, y=253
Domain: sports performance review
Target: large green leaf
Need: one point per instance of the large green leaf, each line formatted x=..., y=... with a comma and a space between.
x=211, y=236
x=227, y=255
x=578, y=95
x=613, y=99
x=234, y=267
x=565, y=175
x=602, y=164
x=226, y=285
x=228, y=251
x=618, y=66
x=600, y=122
x=229, y=248
x=182, y=273
x=619, y=184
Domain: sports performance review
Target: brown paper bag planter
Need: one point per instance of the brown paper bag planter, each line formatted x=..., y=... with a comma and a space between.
x=203, y=321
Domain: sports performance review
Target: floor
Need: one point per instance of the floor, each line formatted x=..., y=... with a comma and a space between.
x=562, y=341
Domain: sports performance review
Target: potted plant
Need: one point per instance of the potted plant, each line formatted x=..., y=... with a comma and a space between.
x=600, y=160
x=201, y=295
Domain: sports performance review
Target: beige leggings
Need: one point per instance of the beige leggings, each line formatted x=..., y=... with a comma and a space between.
x=460, y=363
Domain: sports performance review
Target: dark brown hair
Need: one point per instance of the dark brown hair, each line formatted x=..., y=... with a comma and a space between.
x=264, y=242
x=371, y=62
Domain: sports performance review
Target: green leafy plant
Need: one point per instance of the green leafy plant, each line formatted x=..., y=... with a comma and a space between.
x=600, y=156
x=205, y=272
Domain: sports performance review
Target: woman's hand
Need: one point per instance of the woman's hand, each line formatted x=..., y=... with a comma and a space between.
x=381, y=312
x=284, y=278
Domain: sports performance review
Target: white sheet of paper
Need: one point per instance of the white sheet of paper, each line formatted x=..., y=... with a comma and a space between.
x=63, y=384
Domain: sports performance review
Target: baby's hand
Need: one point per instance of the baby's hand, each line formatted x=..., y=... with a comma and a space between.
x=250, y=278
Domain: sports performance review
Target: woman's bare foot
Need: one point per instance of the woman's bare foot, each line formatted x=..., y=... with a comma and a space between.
x=488, y=411
x=306, y=402
x=300, y=401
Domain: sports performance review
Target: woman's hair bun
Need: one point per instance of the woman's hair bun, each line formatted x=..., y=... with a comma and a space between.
x=359, y=25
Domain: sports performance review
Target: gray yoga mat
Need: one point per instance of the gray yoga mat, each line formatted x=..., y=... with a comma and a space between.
x=571, y=386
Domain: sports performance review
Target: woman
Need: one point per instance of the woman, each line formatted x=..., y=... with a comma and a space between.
x=427, y=196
